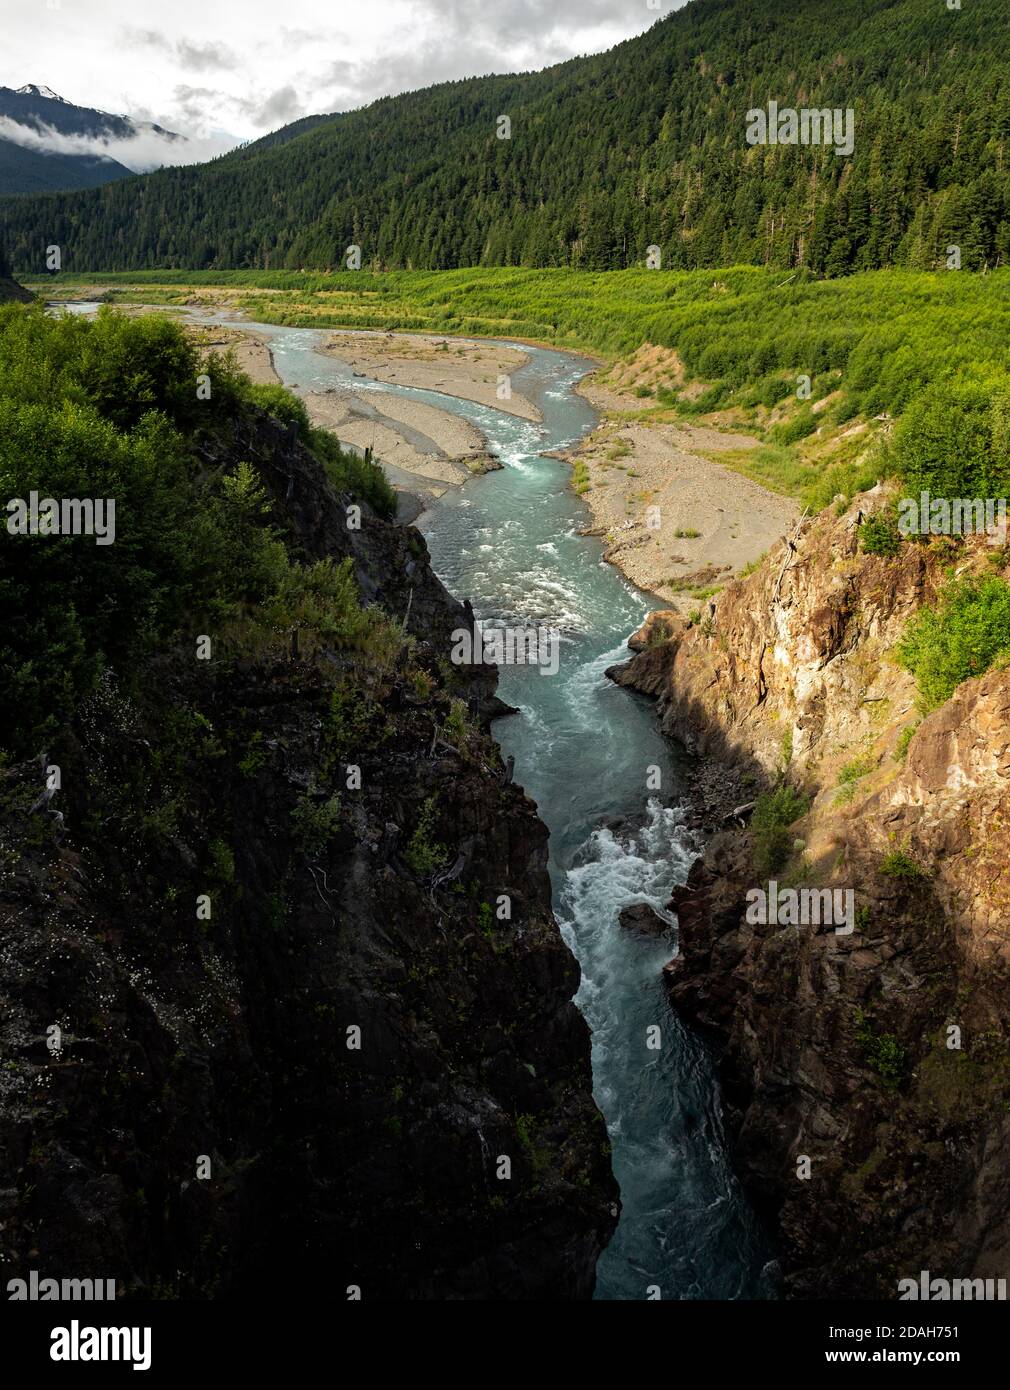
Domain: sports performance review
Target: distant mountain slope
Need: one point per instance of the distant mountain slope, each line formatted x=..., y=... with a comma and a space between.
x=608, y=155
x=37, y=171
x=286, y=133
x=49, y=144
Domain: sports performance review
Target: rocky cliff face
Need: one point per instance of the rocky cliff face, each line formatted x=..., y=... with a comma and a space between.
x=883, y=1055
x=322, y=1082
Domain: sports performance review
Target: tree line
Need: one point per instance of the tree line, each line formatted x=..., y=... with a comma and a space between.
x=605, y=157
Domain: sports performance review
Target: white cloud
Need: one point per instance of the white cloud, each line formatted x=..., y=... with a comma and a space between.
x=203, y=67
x=141, y=152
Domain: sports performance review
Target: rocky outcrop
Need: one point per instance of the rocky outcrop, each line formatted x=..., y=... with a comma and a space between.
x=794, y=655
x=643, y=920
x=866, y=1074
x=11, y=291
x=349, y=1068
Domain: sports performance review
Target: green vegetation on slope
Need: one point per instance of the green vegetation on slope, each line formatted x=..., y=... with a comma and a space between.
x=888, y=333
x=608, y=155
x=774, y=813
x=964, y=634
x=110, y=409
x=877, y=344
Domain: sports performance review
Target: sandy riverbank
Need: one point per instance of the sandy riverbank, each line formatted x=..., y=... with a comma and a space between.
x=423, y=450
x=649, y=482
x=436, y=448
x=252, y=353
x=455, y=366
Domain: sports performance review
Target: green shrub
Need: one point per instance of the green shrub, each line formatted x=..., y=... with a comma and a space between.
x=524, y=1129
x=774, y=812
x=897, y=864
x=424, y=855
x=255, y=756
x=786, y=747
x=321, y=601
x=282, y=404
x=421, y=684
x=852, y=771
x=884, y=1053
x=770, y=390
x=797, y=427
x=350, y=472
x=879, y=534
x=314, y=821
x=904, y=739
x=966, y=633
x=455, y=723
x=221, y=862
x=954, y=440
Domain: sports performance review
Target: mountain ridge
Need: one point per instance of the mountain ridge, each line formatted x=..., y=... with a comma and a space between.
x=34, y=120
x=608, y=155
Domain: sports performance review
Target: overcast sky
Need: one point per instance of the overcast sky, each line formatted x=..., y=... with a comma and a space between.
x=227, y=70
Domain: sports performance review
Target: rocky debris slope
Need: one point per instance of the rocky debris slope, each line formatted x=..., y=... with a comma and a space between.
x=842, y=1048
x=318, y=1086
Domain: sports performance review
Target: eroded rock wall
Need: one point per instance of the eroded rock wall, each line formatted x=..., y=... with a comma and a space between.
x=838, y=1047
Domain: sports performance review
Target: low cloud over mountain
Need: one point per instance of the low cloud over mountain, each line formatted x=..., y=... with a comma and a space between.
x=49, y=143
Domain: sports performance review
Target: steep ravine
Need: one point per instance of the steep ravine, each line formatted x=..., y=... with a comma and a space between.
x=513, y=543
x=329, y=1166
x=838, y=1047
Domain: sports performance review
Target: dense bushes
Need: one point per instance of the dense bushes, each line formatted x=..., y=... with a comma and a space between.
x=282, y=404
x=349, y=472
x=774, y=813
x=795, y=428
x=954, y=441
x=109, y=409
x=963, y=635
x=745, y=328
x=879, y=534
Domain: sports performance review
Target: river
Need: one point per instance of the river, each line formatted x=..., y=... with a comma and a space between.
x=583, y=749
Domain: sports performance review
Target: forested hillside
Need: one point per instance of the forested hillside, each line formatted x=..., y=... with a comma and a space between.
x=608, y=155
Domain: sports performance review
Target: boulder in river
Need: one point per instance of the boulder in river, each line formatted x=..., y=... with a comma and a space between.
x=642, y=919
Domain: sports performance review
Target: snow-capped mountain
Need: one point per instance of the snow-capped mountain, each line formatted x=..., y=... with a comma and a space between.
x=49, y=143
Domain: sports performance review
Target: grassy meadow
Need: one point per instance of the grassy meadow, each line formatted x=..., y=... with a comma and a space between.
x=739, y=341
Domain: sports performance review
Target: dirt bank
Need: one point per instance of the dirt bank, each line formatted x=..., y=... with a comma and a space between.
x=678, y=523
x=457, y=367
